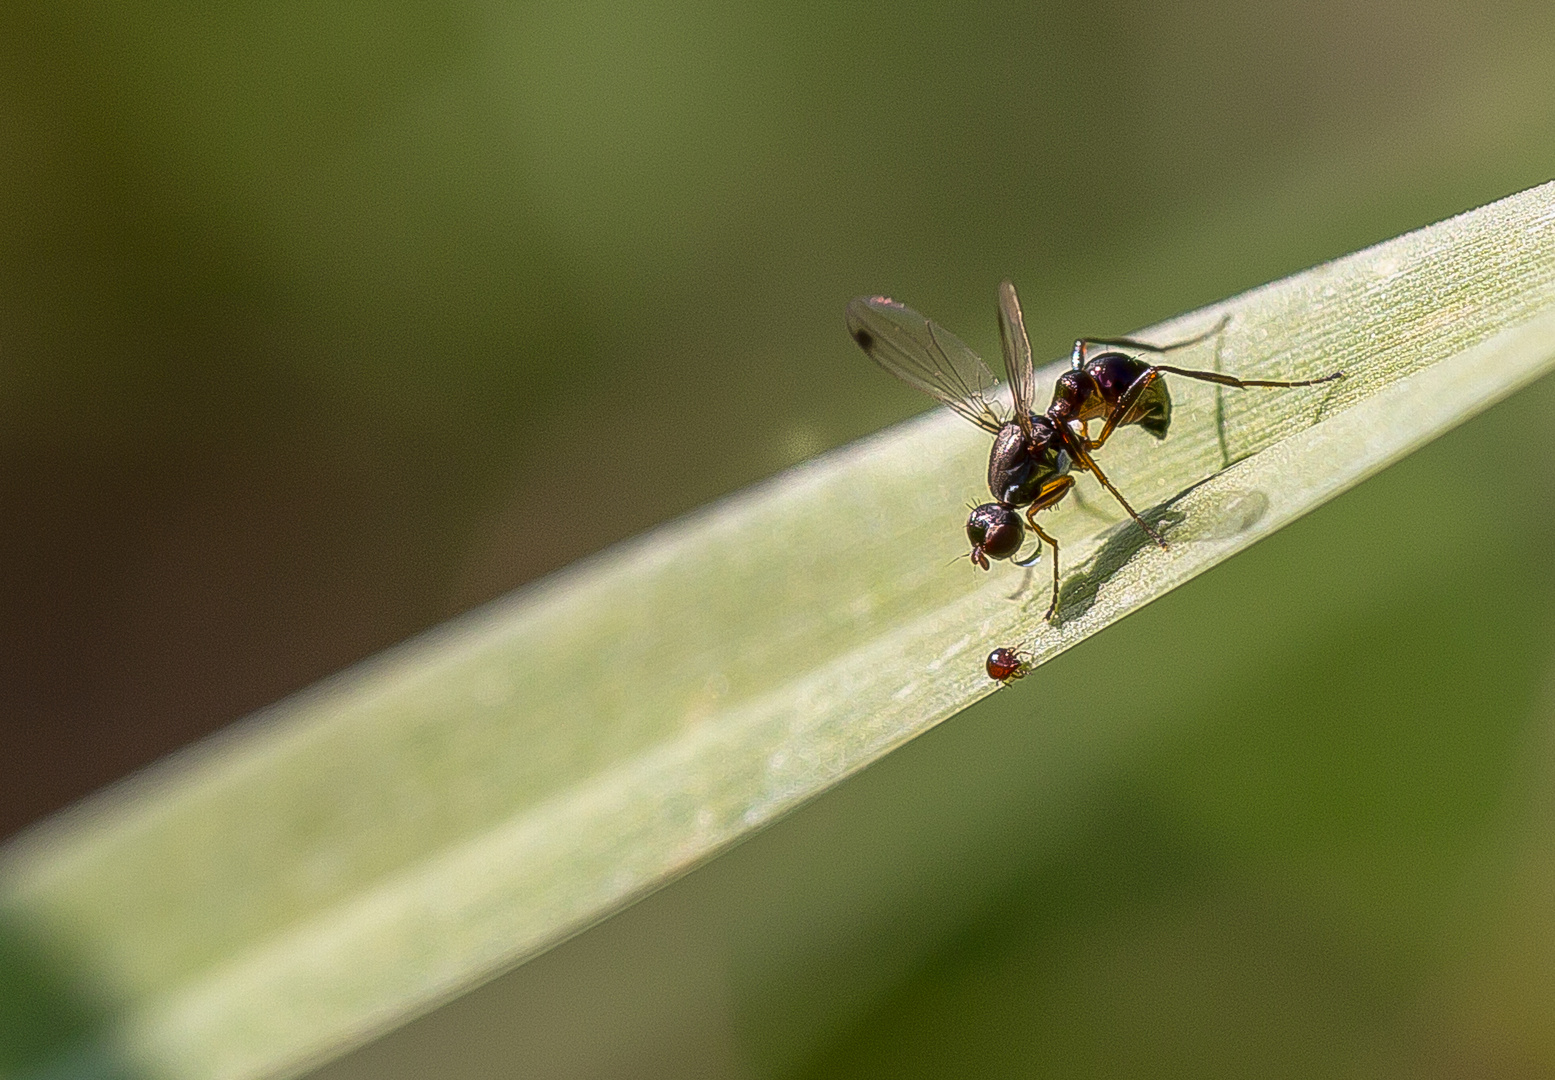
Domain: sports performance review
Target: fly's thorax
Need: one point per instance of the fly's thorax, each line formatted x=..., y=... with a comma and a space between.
x=1049, y=448
x=1019, y=466
x=1009, y=465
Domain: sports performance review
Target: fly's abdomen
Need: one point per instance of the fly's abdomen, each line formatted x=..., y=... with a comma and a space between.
x=1153, y=410
x=1114, y=373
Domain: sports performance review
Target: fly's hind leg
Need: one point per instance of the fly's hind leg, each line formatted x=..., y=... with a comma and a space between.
x=1243, y=384
x=1141, y=384
x=1083, y=346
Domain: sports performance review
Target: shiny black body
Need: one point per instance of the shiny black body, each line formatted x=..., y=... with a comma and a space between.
x=1022, y=463
x=1033, y=453
x=1092, y=391
x=1021, y=466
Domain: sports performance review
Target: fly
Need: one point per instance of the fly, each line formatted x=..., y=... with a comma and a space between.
x=1029, y=467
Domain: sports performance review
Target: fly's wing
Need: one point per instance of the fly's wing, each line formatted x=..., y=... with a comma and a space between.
x=1017, y=354
x=925, y=355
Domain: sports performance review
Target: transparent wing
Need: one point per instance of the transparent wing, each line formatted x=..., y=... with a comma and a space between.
x=1017, y=354
x=925, y=355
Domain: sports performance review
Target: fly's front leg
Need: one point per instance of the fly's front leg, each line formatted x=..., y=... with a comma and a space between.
x=1052, y=494
x=1052, y=606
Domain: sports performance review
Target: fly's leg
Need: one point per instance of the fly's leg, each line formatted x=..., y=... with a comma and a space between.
x=1082, y=347
x=1243, y=384
x=1052, y=494
x=1052, y=606
x=1141, y=384
x=1085, y=461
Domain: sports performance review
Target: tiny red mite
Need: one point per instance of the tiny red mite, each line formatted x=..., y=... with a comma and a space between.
x=1007, y=665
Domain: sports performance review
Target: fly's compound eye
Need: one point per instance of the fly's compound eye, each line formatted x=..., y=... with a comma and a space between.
x=995, y=531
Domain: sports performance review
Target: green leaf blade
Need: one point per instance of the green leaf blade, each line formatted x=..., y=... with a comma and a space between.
x=392, y=837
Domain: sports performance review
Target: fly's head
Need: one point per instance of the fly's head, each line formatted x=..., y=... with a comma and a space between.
x=995, y=531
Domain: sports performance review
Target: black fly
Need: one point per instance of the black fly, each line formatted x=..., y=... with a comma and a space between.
x=1033, y=453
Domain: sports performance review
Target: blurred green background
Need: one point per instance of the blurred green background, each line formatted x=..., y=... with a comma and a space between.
x=320, y=322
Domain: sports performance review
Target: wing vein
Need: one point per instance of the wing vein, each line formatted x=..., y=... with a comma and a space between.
x=926, y=356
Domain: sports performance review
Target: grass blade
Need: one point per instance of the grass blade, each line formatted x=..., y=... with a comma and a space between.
x=350, y=857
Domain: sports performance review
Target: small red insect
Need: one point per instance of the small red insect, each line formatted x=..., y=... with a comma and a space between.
x=1006, y=665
